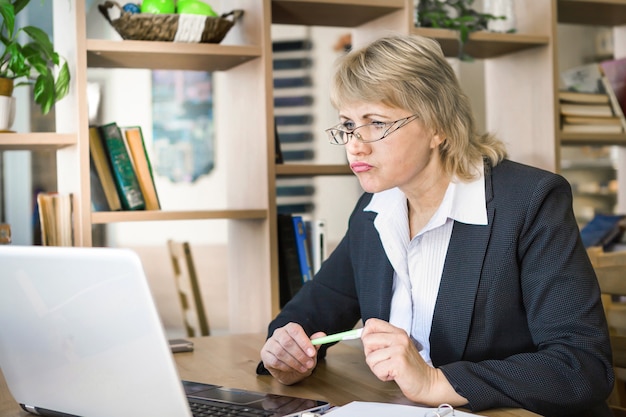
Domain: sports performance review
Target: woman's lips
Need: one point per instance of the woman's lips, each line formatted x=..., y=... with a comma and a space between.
x=360, y=167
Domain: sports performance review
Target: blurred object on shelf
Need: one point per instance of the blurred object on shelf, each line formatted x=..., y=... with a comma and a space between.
x=505, y=11
x=604, y=43
x=5, y=234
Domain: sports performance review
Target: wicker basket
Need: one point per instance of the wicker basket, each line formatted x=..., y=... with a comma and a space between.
x=163, y=27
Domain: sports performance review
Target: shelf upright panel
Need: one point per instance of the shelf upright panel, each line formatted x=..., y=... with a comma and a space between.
x=521, y=89
x=242, y=121
x=69, y=19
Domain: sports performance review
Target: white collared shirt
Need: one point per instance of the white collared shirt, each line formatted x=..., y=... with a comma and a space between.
x=418, y=262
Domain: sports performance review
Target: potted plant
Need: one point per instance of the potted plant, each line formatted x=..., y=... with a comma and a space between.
x=31, y=61
x=456, y=15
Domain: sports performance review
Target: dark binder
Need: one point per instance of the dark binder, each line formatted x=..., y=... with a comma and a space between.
x=290, y=280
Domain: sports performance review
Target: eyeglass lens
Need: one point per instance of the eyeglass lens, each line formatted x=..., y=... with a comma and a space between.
x=370, y=132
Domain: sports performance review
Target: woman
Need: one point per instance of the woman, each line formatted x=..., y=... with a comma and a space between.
x=466, y=268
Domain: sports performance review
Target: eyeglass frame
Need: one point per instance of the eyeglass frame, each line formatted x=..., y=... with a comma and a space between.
x=389, y=125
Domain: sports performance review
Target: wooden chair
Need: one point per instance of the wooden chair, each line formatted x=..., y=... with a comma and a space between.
x=189, y=294
x=610, y=268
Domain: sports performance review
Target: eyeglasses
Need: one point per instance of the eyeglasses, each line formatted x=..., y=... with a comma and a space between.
x=371, y=132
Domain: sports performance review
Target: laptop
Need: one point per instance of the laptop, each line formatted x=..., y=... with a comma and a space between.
x=80, y=336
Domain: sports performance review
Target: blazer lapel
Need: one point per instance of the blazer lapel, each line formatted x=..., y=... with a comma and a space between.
x=459, y=282
x=375, y=273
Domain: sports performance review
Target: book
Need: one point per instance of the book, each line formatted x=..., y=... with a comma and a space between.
x=98, y=196
x=55, y=217
x=293, y=101
x=579, y=109
x=295, y=208
x=293, y=82
x=102, y=167
x=615, y=72
x=591, y=128
x=298, y=154
x=122, y=168
x=143, y=168
x=581, y=97
x=592, y=120
x=5, y=233
x=304, y=257
x=615, y=104
x=290, y=279
x=603, y=230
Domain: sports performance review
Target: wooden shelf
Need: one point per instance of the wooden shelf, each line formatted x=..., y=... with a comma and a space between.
x=338, y=13
x=311, y=169
x=160, y=215
x=599, y=194
x=592, y=12
x=596, y=139
x=483, y=45
x=35, y=141
x=593, y=165
x=167, y=55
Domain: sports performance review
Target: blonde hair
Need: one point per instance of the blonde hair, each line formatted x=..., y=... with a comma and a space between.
x=411, y=72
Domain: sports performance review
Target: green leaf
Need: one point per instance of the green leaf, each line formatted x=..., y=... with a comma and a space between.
x=43, y=92
x=8, y=17
x=41, y=40
x=62, y=85
x=19, y=5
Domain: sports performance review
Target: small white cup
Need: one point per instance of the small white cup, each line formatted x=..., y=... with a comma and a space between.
x=7, y=112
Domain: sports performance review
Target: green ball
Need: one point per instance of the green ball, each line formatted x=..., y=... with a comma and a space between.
x=158, y=6
x=195, y=7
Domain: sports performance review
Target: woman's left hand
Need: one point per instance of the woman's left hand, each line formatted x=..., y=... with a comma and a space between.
x=392, y=356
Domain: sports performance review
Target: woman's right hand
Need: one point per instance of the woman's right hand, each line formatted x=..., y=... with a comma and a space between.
x=289, y=354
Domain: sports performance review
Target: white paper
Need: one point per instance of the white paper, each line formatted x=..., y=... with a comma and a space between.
x=373, y=409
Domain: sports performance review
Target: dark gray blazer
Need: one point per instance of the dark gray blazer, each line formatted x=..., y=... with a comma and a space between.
x=518, y=320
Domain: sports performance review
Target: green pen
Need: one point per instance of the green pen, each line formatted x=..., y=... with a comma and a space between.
x=337, y=337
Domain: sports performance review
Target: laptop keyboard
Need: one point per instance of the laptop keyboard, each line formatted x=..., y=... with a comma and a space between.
x=207, y=408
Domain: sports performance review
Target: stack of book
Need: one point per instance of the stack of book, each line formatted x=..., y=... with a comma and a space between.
x=584, y=112
x=121, y=173
x=55, y=217
x=589, y=102
x=301, y=250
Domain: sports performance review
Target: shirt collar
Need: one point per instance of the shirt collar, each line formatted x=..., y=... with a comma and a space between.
x=464, y=201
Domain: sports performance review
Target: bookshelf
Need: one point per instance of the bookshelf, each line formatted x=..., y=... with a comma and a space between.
x=521, y=108
x=596, y=13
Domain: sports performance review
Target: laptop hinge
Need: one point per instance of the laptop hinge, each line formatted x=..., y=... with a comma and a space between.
x=30, y=409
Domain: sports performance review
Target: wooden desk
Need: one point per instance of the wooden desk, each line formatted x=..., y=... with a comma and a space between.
x=231, y=361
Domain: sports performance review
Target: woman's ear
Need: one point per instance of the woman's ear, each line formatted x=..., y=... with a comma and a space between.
x=437, y=139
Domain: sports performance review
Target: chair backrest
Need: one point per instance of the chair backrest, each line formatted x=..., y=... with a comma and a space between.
x=610, y=269
x=189, y=294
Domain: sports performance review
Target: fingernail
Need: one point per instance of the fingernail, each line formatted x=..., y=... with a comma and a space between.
x=310, y=352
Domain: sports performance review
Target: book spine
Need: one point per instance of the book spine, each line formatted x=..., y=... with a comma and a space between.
x=123, y=172
x=615, y=105
x=143, y=168
x=103, y=169
x=98, y=196
x=304, y=258
x=55, y=215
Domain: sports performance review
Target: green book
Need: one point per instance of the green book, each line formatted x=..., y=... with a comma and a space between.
x=122, y=167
